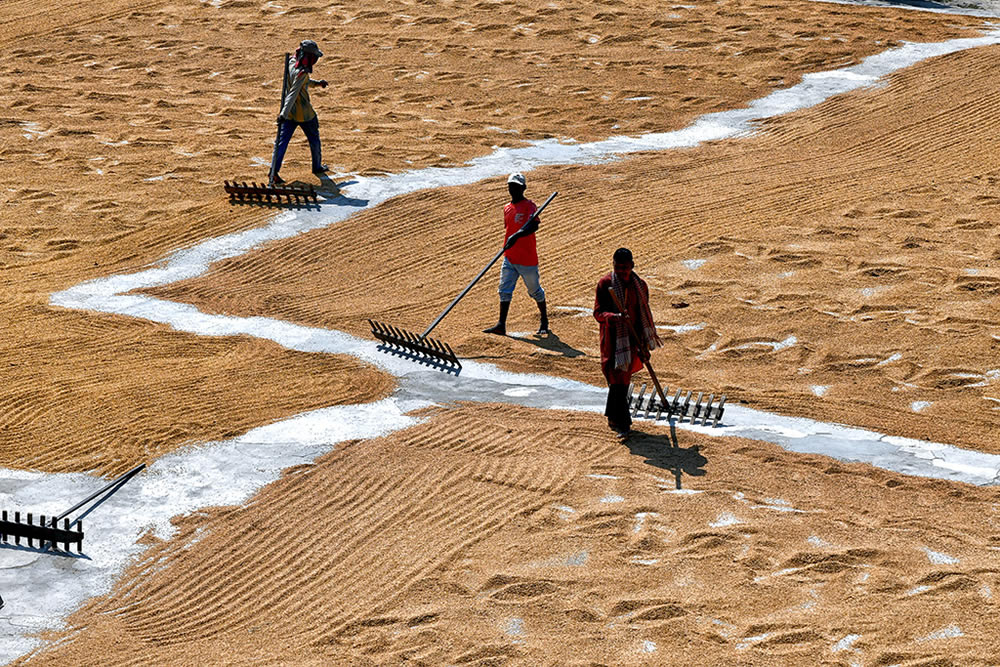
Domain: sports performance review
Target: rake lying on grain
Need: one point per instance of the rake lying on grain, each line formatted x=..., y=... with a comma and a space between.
x=429, y=350
x=47, y=531
x=679, y=410
x=262, y=193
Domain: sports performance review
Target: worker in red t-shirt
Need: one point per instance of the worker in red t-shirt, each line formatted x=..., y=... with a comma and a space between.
x=521, y=259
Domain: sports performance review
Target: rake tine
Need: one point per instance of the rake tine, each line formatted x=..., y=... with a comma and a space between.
x=422, y=346
x=454, y=357
x=437, y=350
x=697, y=407
x=657, y=403
x=444, y=351
x=448, y=354
x=391, y=335
x=631, y=388
x=673, y=406
x=708, y=410
x=650, y=403
x=445, y=355
x=399, y=337
x=436, y=346
x=426, y=345
x=638, y=400
x=718, y=412
x=413, y=340
x=687, y=404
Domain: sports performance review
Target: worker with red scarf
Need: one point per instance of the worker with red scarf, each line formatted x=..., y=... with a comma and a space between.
x=621, y=354
x=297, y=111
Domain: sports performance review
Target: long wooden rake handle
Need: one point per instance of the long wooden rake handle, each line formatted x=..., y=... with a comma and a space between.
x=646, y=362
x=281, y=105
x=487, y=267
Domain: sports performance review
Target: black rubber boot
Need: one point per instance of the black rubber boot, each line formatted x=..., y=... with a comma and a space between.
x=500, y=328
x=543, y=322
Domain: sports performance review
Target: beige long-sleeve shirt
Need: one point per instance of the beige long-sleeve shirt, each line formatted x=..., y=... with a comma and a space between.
x=297, y=106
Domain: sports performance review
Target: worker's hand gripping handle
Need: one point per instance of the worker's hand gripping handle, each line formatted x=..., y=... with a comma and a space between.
x=530, y=226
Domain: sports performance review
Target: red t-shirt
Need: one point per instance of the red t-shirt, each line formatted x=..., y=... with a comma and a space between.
x=514, y=216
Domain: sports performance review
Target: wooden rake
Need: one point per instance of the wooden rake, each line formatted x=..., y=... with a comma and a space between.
x=262, y=193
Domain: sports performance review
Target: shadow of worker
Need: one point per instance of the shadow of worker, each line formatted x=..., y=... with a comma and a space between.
x=552, y=343
x=331, y=193
x=663, y=451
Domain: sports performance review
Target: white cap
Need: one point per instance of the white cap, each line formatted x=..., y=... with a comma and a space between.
x=516, y=178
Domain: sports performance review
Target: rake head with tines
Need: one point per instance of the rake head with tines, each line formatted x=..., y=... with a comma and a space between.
x=651, y=407
x=263, y=193
x=425, y=350
x=46, y=531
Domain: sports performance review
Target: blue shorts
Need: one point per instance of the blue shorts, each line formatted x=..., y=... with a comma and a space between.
x=509, y=273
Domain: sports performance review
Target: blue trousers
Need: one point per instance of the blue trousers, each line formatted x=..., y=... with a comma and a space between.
x=510, y=272
x=285, y=130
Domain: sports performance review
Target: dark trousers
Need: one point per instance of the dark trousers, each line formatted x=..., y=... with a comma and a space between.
x=285, y=130
x=616, y=409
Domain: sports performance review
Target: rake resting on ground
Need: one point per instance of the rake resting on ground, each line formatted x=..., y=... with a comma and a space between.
x=261, y=193
x=47, y=531
x=431, y=351
x=650, y=408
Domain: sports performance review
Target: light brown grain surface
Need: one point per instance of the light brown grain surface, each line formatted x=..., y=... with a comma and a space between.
x=857, y=238
x=500, y=535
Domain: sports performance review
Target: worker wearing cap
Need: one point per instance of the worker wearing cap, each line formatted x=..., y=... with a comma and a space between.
x=296, y=111
x=521, y=259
